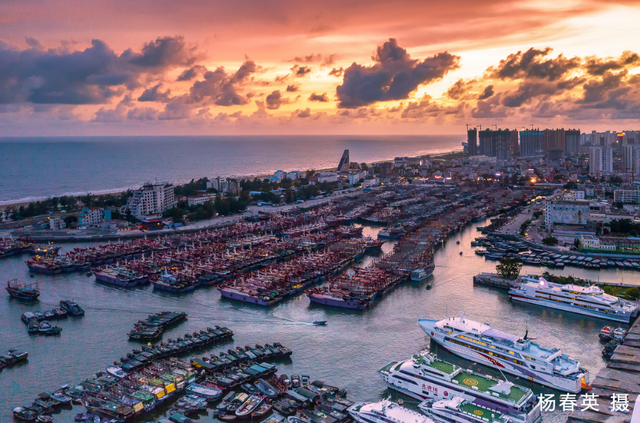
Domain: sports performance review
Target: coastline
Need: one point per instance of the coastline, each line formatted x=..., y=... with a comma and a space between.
x=25, y=201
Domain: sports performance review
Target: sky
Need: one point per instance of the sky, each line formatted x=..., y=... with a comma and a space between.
x=212, y=67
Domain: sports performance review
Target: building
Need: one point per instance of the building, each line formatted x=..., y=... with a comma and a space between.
x=56, y=223
x=566, y=212
x=569, y=234
x=495, y=143
x=572, y=141
x=194, y=201
x=631, y=158
x=592, y=242
x=472, y=142
x=354, y=177
x=219, y=184
x=295, y=175
x=280, y=174
x=601, y=217
x=531, y=143
x=343, y=166
x=514, y=146
x=626, y=196
x=93, y=216
x=553, y=139
x=152, y=199
x=600, y=161
x=328, y=177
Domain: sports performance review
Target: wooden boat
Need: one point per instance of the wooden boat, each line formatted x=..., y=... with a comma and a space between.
x=262, y=411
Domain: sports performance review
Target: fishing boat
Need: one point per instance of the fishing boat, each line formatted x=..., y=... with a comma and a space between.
x=482, y=344
x=71, y=307
x=424, y=376
x=320, y=323
x=116, y=371
x=210, y=394
x=266, y=389
x=459, y=410
x=23, y=291
x=606, y=334
x=385, y=411
x=14, y=357
x=585, y=300
x=248, y=407
x=418, y=275
x=45, y=328
x=262, y=411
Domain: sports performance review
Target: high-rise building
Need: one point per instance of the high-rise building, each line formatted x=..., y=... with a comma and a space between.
x=572, y=141
x=495, y=143
x=531, y=143
x=514, y=147
x=343, y=166
x=554, y=139
x=472, y=141
x=152, y=199
x=600, y=161
x=631, y=158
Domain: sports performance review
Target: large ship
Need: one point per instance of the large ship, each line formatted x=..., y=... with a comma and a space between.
x=482, y=344
x=426, y=377
x=457, y=409
x=587, y=300
x=385, y=411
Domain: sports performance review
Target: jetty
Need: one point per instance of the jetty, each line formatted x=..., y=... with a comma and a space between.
x=620, y=376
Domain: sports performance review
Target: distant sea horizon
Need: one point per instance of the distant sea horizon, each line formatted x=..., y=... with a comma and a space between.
x=37, y=168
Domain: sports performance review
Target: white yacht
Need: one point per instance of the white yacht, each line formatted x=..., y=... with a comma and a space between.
x=457, y=409
x=385, y=411
x=587, y=300
x=425, y=377
x=482, y=344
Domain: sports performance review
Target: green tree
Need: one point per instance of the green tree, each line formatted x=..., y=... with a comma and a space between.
x=509, y=268
x=550, y=241
x=70, y=220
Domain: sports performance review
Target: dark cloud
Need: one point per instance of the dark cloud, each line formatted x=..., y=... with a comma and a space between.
x=163, y=53
x=221, y=88
x=91, y=76
x=189, y=74
x=394, y=76
x=531, y=64
x=303, y=113
x=293, y=88
x=323, y=98
x=488, y=92
x=609, y=92
x=300, y=71
x=597, y=66
x=312, y=58
x=275, y=100
x=489, y=109
x=428, y=109
x=154, y=94
x=337, y=72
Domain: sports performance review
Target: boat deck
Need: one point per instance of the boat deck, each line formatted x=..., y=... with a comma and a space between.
x=483, y=413
x=443, y=367
x=483, y=384
x=388, y=367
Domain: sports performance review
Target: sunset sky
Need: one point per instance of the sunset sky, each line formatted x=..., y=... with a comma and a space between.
x=211, y=67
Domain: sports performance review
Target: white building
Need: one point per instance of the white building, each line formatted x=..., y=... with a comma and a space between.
x=566, y=212
x=601, y=161
x=56, y=224
x=152, y=199
x=592, y=242
x=91, y=216
x=280, y=174
x=328, y=177
x=610, y=217
x=219, y=184
x=295, y=175
x=626, y=196
x=631, y=158
x=354, y=178
x=578, y=195
x=193, y=201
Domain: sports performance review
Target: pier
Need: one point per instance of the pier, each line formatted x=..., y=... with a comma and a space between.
x=621, y=376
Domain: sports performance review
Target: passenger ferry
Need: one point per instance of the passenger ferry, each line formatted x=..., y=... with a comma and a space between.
x=482, y=344
x=426, y=377
x=587, y=300
x=457, y=409
x=385, y=411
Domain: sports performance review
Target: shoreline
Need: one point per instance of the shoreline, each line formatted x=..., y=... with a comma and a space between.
x=4, y=204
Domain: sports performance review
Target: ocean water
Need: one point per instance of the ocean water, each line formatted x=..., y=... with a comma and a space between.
x=37, y=168
x=348, y=352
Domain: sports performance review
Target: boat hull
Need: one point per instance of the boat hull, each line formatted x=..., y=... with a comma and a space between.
x=335, y=302
x=238, y=296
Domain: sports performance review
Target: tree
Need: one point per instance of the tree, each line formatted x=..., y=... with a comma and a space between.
x=550, y=241
x=509, y=268
x=70, y=220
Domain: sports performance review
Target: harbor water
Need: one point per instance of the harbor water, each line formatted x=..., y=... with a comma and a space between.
x=347, y=352
x=37, y=168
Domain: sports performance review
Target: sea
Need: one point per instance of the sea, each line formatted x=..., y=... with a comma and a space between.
x=38, y=168
x=347, y=352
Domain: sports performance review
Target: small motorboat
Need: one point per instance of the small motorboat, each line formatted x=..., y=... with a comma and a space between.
x=60, y=312
x=295, y=381
x=619, y=334
x=320, y=323
x=265, y=388
x=262, y=411
x=248, y=407
x=44, y=418
x=49, y=314
x=606, y=334
x=61, y=398
x=45, y=328
x=116, y=371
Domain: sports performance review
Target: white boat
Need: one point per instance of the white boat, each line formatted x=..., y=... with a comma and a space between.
x=116, y=371
x=482, y=344
x=586, y=300
x=203, y=391
x=457, y=409
x=385, y=411
x=425, y=377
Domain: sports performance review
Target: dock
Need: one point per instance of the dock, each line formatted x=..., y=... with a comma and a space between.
x=493, y=280
x=620, y=376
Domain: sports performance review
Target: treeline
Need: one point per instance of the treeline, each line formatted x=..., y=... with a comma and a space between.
x=54, y=204
x=222, y=205
x=624, y=227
